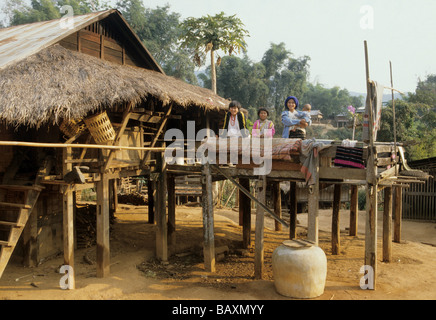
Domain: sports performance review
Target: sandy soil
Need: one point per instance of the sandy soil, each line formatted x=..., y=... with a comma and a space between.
x=136, y=275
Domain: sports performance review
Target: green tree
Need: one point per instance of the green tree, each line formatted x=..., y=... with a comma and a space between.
x=423, y=133
x=159, y=29
x=210, y=34
x=18, y=12
x=330, y=101
x=242, y=80
x=284, y=75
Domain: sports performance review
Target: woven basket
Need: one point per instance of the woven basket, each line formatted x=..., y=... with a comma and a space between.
x=72, y=127
x=100, y=128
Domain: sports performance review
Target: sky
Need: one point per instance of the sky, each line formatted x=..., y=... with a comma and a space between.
x=332, y=34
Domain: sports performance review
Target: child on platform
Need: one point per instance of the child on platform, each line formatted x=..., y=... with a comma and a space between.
x=261, y=125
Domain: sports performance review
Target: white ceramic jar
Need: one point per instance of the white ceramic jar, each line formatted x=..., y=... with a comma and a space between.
x=299, y=269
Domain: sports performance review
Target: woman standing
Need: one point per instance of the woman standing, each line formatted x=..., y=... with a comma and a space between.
x=294, y=121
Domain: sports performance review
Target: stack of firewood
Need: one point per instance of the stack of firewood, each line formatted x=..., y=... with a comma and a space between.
x=86, y=220
x=137, y=199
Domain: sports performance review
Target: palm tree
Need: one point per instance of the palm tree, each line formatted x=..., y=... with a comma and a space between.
x=209, y=34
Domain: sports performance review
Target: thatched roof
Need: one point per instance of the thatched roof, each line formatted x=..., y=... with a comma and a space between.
x=57, y=83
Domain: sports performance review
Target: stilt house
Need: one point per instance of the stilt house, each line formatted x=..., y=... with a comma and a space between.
x=82, y=104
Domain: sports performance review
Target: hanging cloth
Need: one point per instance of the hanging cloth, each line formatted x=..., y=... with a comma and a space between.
x=376, y=103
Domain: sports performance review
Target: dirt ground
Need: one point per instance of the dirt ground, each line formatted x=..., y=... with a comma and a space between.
x=136, y=275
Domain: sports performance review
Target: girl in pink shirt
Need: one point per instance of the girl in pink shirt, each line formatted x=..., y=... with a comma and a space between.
x=261, y=125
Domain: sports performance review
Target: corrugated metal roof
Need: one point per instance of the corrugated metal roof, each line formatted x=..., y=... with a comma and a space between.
x=19, y=42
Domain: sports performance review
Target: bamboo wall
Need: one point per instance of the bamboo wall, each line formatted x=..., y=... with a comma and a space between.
x=419, y=200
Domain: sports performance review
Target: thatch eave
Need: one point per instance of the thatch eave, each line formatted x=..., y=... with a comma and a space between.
x=57, y=83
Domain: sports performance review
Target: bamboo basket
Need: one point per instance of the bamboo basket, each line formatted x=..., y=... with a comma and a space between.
x=100, y=128
x=72, y=127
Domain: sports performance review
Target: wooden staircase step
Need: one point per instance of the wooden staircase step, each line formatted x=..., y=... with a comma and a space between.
x=5, y=243
x=15, y=205
x=11, y=224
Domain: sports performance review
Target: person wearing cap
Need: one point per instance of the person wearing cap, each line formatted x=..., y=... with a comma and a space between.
x=294, y=121
x=234, y=122
x=261, y=125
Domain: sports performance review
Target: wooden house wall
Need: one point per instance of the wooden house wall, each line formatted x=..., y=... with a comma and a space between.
x=103, y=41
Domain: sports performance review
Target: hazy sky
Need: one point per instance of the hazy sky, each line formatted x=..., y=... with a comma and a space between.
x=332, y=33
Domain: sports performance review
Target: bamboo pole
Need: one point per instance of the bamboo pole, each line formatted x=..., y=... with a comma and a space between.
x=371, y=189
x=75, y=145
x=393, y=118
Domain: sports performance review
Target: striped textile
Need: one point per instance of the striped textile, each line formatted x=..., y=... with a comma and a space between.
x=349, y=157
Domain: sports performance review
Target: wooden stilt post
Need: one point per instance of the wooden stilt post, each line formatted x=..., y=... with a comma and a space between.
x=313, y=204
x=171, y=210
x=398, y=214
x=103, y=225
x=293, y=211
x=336, y=234
x=259, y=238
x=68, y=222
x=30, y=236
x=115, y=191
x=387, y=225
x=371, y=191
x=277, y=200
x=151, y=186
x=354, y=210
x=68, y=231
x=208, y=224
x=161, y=216
x=245, y=213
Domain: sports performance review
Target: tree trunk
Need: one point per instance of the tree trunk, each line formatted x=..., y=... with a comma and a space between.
x=213, y=70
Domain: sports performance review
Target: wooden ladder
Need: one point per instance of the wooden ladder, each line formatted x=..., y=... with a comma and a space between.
x=14, y=214
x=14, y=217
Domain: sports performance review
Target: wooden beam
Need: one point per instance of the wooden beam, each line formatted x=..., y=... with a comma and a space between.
x=68, y=222
x=336, y=232
x=371, y=188
x=354, y=210
x=116, y=142
x=277, y=201
x=259, y=232
x=68, y=235
x=151, y=187
x=171, y=187
x=103, y=225
x=387, y=225
x=293, y=207
x=313, y=206
x=161, y=217
x=245, y=213
x=398, y=213
x=247, y=193
x=208, y=222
